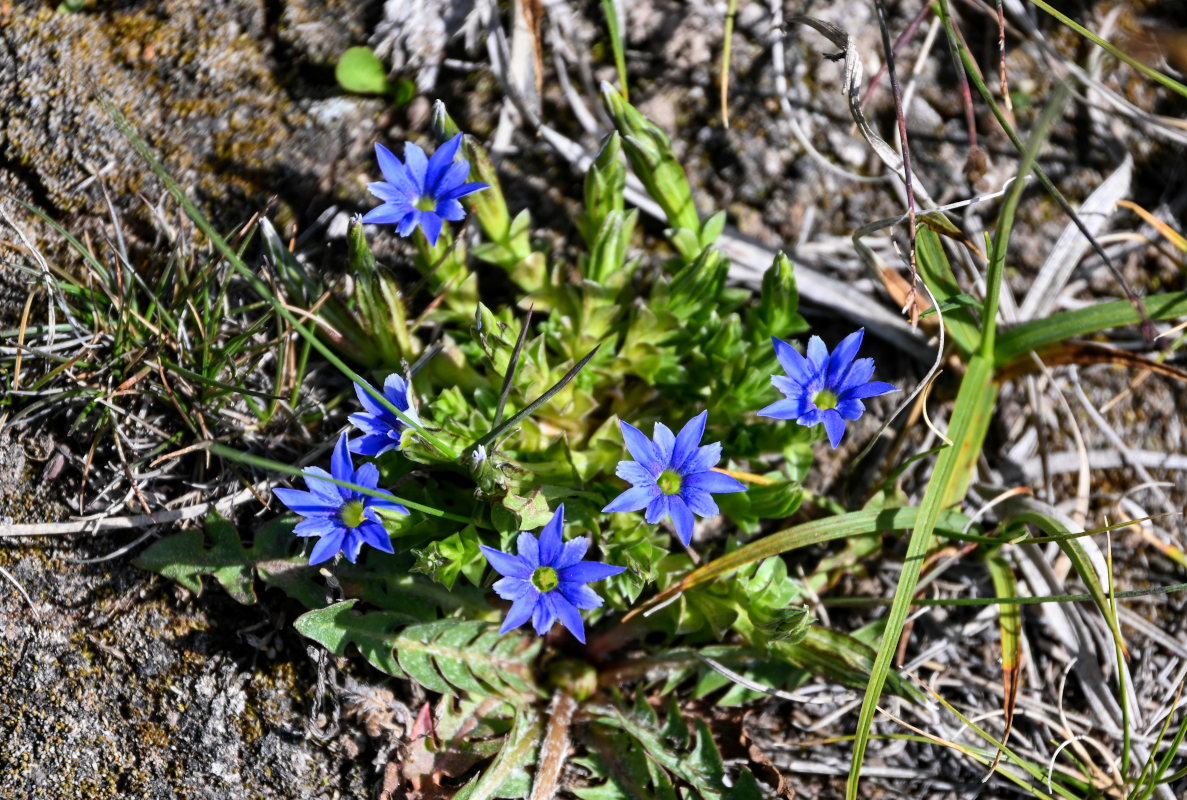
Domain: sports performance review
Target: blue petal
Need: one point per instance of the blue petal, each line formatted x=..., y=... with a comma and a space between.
x=399, y=392
x=528, y=549
x=453, y=177
x=706, y=457
x=681, y=518
x=640, y=447
x=688, y=440
x=392, y=168
x=792, y=362
x=716, y=482
x=521, y=611
x=431, y=224
x=635, y=473
x=834, y=426
x=792, y=389
x=367, y=476
x=588, y=572
x=580, y=595
x=817, y=359
x=352, y=545
x=657, y=509
x=573, y=551
x=632, y=499
x=373, y=406
x=783, y=409
x=450, y=209
x=544, y=614
x=409, y=223
x=665, y=443
x=463, y=190
x=844, y=353
x=813, y=416
x=386, y=214
x=387, y=505
x=851, y=409
x=368, y=424
x=700, y=501
x=551, y=538
x=371, y=445
x=569, y=616
x=441, y=163
x=316, y=526
x=393, y=193
x=307, y=504
x=341, y=467
x=857, y=374
x=316, y=480
x=871, y=389
x=416, y=165
x=512, y=588
x=374, y=534
x=327, y=547
x=504, y=564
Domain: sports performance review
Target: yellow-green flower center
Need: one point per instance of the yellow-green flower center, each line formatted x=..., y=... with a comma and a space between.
x=670, y=481
x=352, y=513
x=824, y=399
x=545, y=579
x=426, y=203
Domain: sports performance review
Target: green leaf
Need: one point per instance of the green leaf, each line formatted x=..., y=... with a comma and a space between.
x=183, y=557
x=937, y=274
x=700, y=767
x=508, y=774
x=1015, y=344
x=777, y=312
x=453, y=655
x=949, y=482
x=360, y=71
x=650, y=153
x=530, y=510
x=337, y=627
x=450, y=656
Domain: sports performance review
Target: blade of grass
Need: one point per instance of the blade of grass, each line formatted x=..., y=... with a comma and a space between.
x=971, y=69
x=949, y=482
x=616, y=45
x=995, y=272
x=499, y=430
x=827, y=529
x=1112, y=49
x=1005, y=584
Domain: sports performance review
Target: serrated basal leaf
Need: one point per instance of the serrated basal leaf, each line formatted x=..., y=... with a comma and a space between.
x=183, y=558
x=337, y=627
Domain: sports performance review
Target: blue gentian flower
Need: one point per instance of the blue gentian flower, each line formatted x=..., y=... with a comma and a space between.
x=546, y=580
x=344, y=519
x=381, y=428
x=420, y=191
x=673, y=476
x=822, y=387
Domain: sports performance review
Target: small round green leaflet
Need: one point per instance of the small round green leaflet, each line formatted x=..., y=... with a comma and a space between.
x=360, y=71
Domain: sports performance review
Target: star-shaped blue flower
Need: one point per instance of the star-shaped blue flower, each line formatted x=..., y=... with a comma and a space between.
x=344, y=519
x=381, y=428
x=673, y=476
x=546, y=580
x=822, y=387
x=420, y=191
